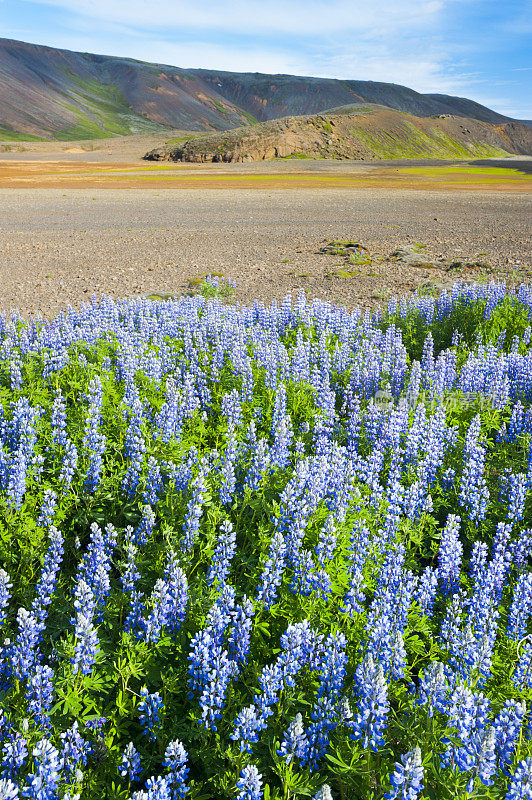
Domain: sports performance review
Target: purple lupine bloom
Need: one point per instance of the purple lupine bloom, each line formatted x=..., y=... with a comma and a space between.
x=425, y=593
x=25, y=651
x=154, y=483
x=176, y=594
x=146, y=526
x=518, y=485
x=194, y=507
x=228, y=461
x=239, y=638
x=59, y=420
x=86, y=644
x=47, y=583
x=70, y=462
x=158, y=606
x=156, y=789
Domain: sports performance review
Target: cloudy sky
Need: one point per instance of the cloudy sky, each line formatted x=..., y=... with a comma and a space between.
x=475, y=48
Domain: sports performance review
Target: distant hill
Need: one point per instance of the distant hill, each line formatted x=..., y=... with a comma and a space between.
x=357, y=132
x=50, y=93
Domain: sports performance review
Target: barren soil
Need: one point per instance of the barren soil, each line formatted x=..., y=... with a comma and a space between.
x=59, y=246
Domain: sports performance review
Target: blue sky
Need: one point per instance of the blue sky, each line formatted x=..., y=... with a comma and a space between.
x=474, y=48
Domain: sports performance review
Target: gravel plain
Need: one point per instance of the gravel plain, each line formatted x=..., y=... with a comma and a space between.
x=59, y=246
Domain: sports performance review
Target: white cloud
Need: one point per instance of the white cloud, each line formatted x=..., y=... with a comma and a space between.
x=286, y=17
x=407, y=42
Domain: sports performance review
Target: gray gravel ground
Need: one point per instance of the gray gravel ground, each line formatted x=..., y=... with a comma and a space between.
x=61, y=246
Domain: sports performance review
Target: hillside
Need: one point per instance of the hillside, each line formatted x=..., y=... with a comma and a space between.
x=354, y=132
x=51, y=93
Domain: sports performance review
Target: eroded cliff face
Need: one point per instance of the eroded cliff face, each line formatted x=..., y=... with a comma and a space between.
x=371, y=133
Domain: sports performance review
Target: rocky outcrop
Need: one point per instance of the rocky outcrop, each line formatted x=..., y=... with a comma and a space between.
x=372, y=132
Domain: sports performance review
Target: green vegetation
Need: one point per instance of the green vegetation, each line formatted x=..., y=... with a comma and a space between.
x=102, y=111
x=274, y=553
x=466, y=171
x=7, y=135
x=300, y=156
x=250, y=118
x=408, y=141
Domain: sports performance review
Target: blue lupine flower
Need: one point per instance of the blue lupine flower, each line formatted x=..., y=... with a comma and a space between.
x=324, y=793
x=272, y=574
x=25, y=653
x=520, y=787
x=482, y=748
x=145, y=528
x=407, y=778
x=149, y=713
x=521, y=608
x=43, y=782
x=248, y=723
x=74, y=750
x=249, y=784
x=130, y=766
x=373, y=706
x=156, y=789
x=433, y=688
x=48, y=508
x=40, y=694
x=8, y=790
x=295, y=741
x=239, y=639
x=176, y=594
x=474, y=494
x=46, y=585
x=14, y=755
x=175, y=761
x=194, y=507
x=522, y=677
x=154, y=483
x=508, y=726
x=425, y=594
x=5, y=594
x=450, y=555
x=223, y=553
x=59, y=420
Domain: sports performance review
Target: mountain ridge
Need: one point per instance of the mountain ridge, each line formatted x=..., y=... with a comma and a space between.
x=54, y=93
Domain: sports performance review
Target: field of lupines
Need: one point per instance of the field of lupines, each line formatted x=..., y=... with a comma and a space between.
x=272, y=552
